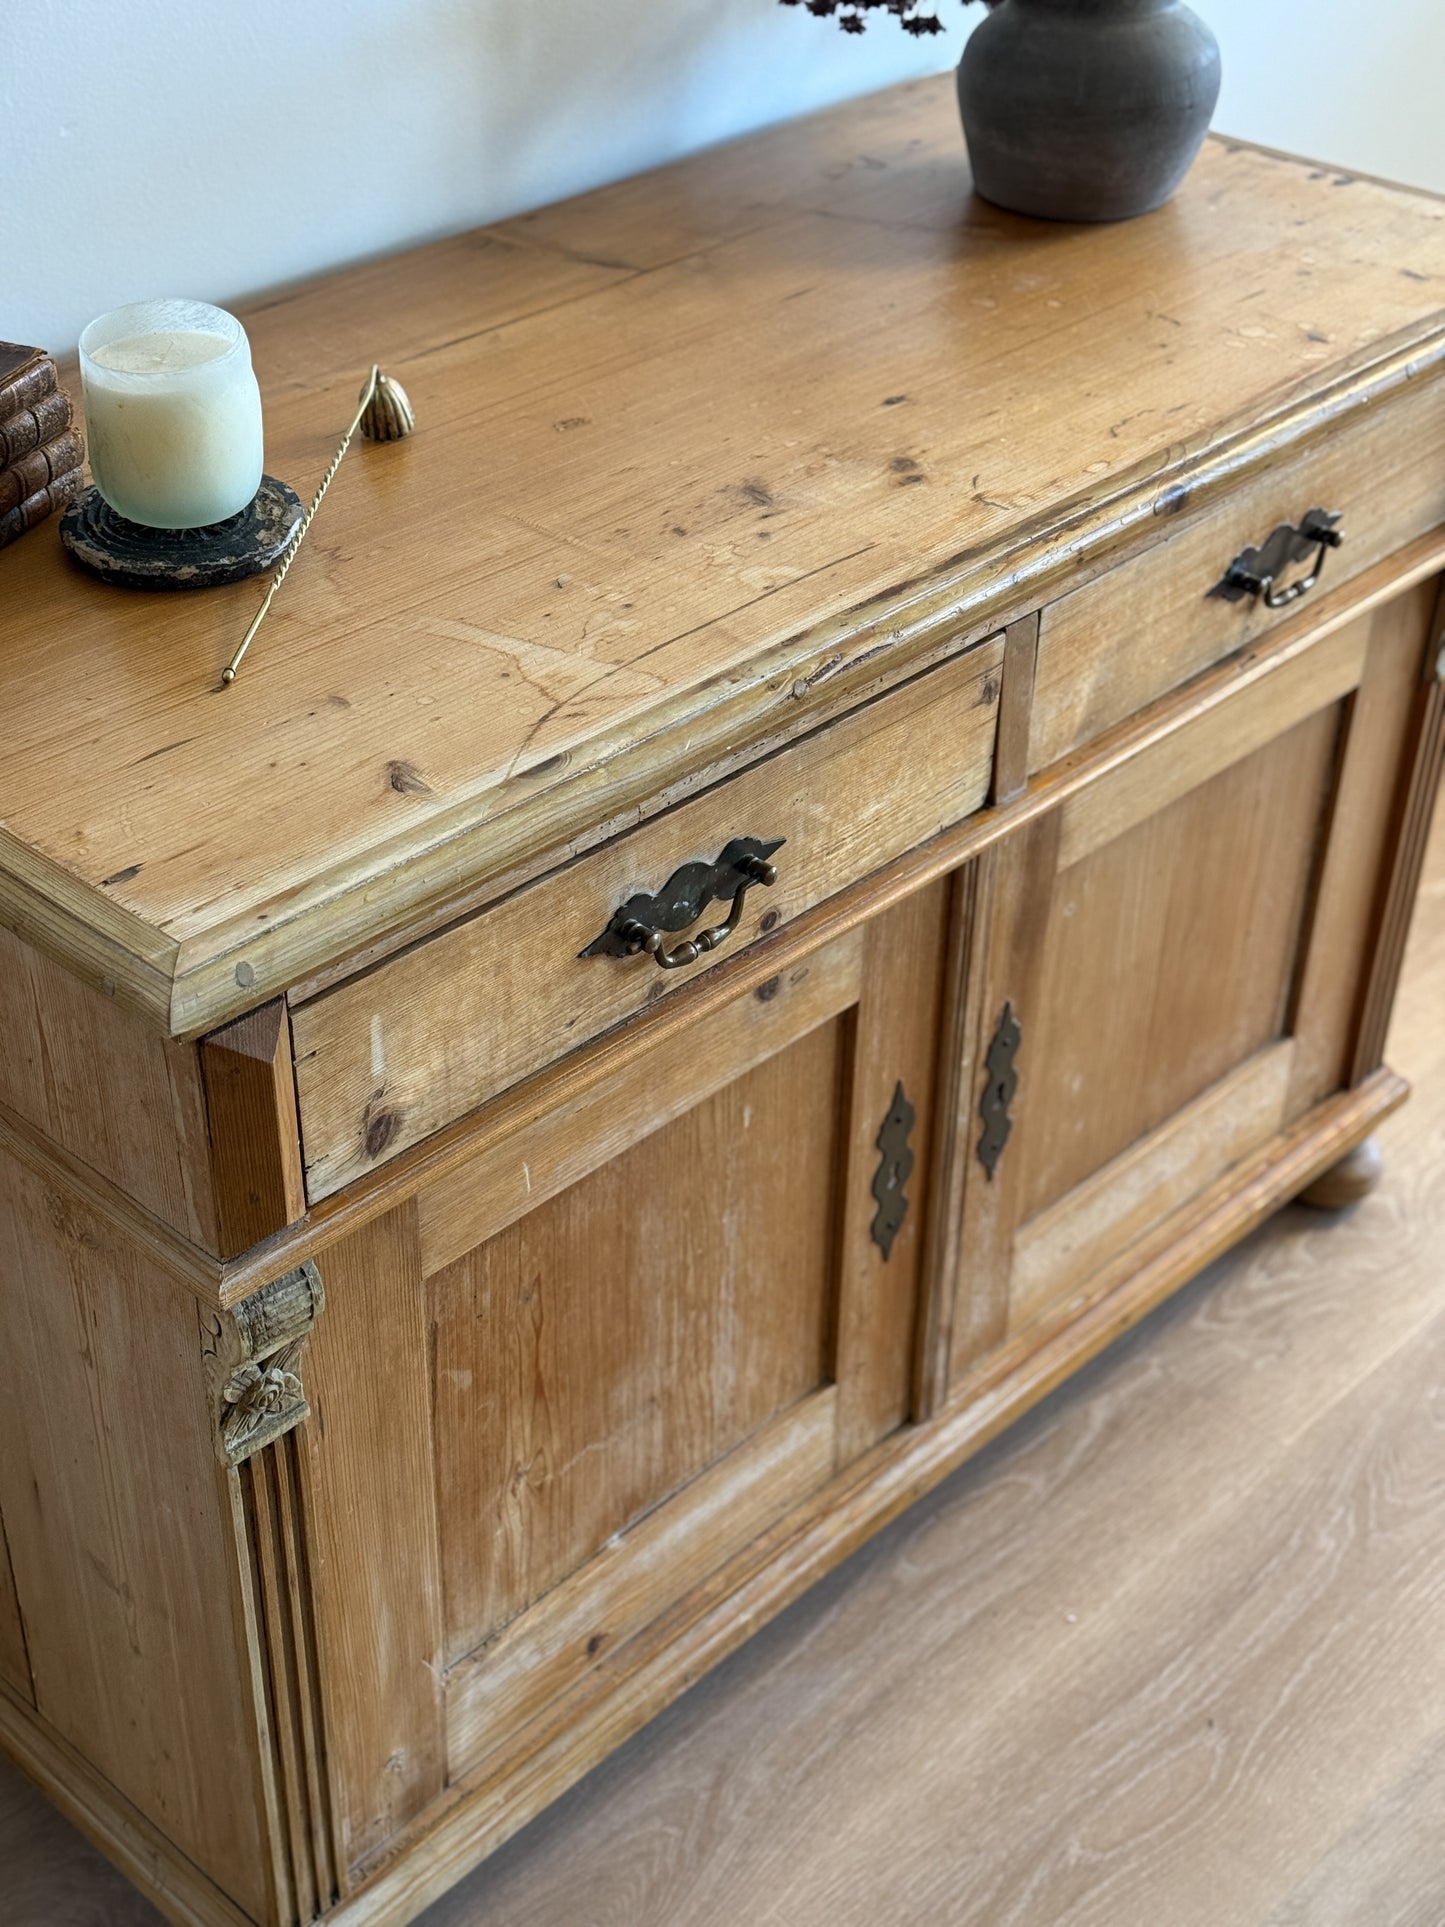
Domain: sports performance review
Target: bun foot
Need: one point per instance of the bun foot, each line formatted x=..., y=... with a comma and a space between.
x=1345, y=1183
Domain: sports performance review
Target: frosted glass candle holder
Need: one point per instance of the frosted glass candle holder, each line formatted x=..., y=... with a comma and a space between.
x=172, y=413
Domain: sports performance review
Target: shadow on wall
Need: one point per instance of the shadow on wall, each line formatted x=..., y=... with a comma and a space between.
x=578, y=94
x=212, y=152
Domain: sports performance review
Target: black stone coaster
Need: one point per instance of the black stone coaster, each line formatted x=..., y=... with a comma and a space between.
x=112, y=549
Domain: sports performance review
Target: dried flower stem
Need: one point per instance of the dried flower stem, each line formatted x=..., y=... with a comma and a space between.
x=849, y=13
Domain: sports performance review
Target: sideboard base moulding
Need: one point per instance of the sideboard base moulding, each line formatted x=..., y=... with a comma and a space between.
x=867, y=841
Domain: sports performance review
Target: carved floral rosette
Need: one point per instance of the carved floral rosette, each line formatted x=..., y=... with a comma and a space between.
x=252, y=1356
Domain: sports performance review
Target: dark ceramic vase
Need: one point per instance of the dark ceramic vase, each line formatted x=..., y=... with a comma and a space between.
x=1086, y=110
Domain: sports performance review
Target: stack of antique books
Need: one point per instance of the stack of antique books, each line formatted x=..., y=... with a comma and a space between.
x=41, y=450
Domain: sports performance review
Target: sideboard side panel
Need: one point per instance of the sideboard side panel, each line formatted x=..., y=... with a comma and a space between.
x=108, y=1490
x=95, y=1078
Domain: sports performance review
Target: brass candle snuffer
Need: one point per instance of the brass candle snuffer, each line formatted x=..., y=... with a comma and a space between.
x=383, y=414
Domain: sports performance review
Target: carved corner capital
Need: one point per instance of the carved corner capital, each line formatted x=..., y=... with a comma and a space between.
x=252, y=1356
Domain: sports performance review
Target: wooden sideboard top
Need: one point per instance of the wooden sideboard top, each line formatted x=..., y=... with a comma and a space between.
x=701, y=458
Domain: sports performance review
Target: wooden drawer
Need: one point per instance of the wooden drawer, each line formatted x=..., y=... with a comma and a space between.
x=388, y=1057
x=1112, y=647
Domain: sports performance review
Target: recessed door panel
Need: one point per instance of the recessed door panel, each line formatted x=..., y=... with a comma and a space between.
x=1169, y=958
x=608, y=1347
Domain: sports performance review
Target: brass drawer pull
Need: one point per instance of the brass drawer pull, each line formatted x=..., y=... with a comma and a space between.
x=1254, y=572
x=643, y=923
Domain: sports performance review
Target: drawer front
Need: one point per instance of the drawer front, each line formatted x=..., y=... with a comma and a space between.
x=1112, y=647
x=388, y=1058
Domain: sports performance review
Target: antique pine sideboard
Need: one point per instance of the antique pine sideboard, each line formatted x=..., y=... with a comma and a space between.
x=783, y=870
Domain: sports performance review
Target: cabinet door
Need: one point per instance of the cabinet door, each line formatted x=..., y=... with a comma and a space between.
x=1174, y=964
x=668, y=1311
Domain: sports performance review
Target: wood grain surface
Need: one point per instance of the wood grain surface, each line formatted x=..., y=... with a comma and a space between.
x=387, y=1058
x=114, y=1530
x=97, y=1080
x=1143, y=1001
x=646, y=524
x=1168, y=1651
x=1091, y=673
x=251, y=1108
x=368, y=1485
x=609, y=1346
x=1062, y=1245
x=14, y=1658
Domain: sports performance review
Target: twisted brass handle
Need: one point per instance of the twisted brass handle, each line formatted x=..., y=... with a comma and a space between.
x=1254, y=572
x=640, y=937
x=642, y=924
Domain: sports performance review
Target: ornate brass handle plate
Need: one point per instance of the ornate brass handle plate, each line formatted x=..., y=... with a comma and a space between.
x=644, y=923
x=1256, y=572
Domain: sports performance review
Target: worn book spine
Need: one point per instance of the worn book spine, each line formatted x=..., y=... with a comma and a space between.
x=48, y=418
x=44, y=464
x=36, y=507
x=27, y=390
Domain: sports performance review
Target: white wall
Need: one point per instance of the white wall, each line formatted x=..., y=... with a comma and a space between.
x=217, y=147
x=1358, y=82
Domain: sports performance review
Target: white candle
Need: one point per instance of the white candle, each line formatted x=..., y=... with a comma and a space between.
x=172, y=413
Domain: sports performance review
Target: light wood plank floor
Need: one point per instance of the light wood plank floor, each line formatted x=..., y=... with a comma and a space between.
x=1171, y=1654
